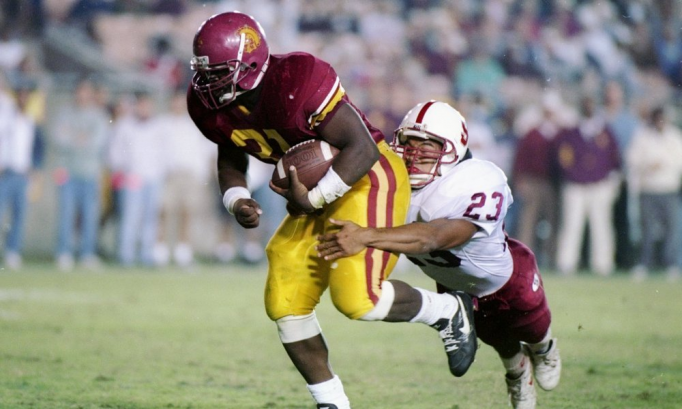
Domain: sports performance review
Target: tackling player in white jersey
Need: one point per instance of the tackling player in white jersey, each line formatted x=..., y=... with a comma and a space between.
x=455, y=234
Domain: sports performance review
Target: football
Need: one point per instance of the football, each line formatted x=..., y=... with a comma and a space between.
x=311, y=159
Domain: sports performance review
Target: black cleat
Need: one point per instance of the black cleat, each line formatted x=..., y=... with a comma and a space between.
x=326, y=406
x=459, y=335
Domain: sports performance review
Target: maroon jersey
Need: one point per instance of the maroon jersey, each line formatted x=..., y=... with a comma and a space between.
x=300, y=94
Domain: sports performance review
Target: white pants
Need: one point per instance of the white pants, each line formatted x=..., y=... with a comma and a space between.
x=591, y=203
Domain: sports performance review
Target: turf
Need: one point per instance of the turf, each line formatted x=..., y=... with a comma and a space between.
x=173, y=339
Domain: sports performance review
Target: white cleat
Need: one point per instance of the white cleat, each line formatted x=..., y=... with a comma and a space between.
x=547, y=366
x=521, y=390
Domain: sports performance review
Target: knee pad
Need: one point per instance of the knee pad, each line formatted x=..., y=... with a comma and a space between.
x=383, y=306
x=294, y=328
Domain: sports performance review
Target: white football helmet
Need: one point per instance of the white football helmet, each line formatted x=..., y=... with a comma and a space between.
x=437, y=121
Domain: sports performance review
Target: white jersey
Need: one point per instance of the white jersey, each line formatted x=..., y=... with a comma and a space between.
x=474, y=190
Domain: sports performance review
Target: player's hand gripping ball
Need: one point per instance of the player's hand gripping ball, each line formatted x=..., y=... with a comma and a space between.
x=312, y=159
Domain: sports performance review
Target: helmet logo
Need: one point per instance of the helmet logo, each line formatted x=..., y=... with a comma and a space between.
x=465, y=134
x=252, y=38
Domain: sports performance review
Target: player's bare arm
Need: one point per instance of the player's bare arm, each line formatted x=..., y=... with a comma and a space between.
x=413, y=238
x=358, y=153
x=232, y=166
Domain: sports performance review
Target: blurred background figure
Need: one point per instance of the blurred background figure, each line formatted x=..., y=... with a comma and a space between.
x=117, y=108
x=655, y=164
x=17, y=142
x=138, y=165
x=79, y=140
x=535, y=181
x=188, y=164
x=164, y=65
x=623, y=121
x=589, y=162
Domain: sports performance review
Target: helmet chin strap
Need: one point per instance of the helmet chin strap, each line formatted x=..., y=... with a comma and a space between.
x=229, y=96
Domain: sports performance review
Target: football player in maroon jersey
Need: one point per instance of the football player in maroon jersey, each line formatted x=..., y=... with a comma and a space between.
x=251, y=102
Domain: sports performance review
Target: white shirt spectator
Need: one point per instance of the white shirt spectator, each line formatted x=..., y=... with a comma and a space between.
x=135, y=149
x=16, y=148
x=654, y=160
x=185, y=148
x=7, y=109
x=12, y=51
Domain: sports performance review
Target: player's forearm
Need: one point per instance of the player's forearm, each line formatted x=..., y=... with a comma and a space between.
x=414, y=238
x=228, y=178
x=232, y=166
x=421, y=237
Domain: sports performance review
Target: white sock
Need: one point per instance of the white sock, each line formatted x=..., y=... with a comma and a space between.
x=542, y=346
x=515, y=365
x=435, y=306
x=330, y=391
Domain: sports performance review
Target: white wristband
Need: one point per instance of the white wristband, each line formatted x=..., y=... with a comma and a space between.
x=232, y=195
x=328, y=189
x=315, y=197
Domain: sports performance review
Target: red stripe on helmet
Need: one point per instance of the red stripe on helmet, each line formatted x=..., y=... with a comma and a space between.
x=422, y=112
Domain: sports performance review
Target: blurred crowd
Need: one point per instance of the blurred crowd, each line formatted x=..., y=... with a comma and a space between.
x=578, y=101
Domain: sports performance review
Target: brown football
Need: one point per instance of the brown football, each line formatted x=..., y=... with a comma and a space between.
x=311, y=159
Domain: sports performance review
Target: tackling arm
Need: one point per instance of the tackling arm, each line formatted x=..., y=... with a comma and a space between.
x=413, y=238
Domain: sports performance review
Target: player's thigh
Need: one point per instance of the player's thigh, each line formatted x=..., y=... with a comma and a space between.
x=296, y=276
x=355, y=282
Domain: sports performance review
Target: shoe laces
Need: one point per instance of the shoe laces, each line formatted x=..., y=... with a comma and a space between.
x=447, y=334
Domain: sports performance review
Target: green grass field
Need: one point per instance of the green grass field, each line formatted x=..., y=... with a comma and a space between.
x=171, y=339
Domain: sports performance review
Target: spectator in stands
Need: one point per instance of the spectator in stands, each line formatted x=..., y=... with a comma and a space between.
x=507, y=137
x=84, y=12
x=12, y=49
x=622, y=121
x=136, y=159
x=589, y=162
x=164, y=65
x=535, y=181
x=189, y=164
x=522, y=48
x=17, y=136
x=655, y=165
x=480, y=73
x=603, y=47
x=79, y=139
x=667, y=41
x=476, y=109
x=117, y=109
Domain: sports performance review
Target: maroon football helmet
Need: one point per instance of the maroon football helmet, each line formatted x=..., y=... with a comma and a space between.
x=230, y=57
